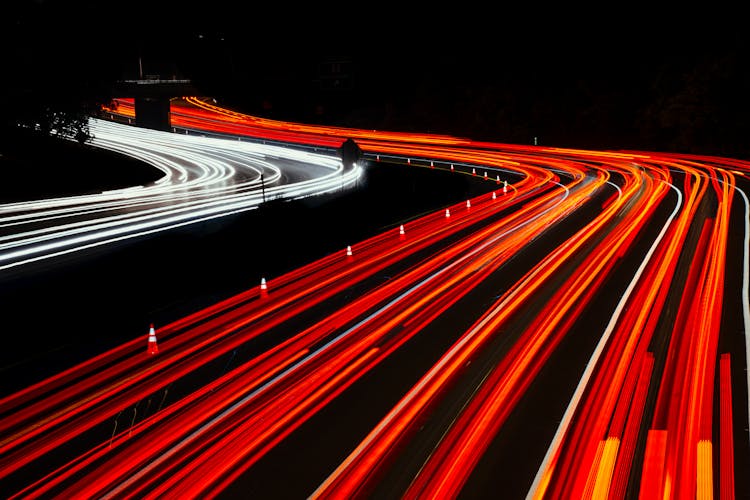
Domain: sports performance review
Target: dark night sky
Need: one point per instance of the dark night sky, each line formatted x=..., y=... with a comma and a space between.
x=634, y=79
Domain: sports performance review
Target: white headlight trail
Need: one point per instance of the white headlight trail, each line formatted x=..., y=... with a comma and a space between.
x=203, y=178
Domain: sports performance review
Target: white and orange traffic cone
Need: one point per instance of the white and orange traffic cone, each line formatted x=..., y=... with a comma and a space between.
x=468, y=204
x=447, y=212
x=473, y=171
x=494, y=196
x=401, y=229
x=348, y=250
x=263, y=287
x=505, y=187
x=153, y=347
x=497, y=179
x=485, y=174
x=452, y=167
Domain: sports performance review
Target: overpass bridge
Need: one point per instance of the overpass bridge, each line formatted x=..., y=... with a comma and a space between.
x=152, y=95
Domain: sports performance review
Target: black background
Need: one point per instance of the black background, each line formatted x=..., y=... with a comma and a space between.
x=630, y=77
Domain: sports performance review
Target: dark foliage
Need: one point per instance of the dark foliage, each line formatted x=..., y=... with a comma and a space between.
x=55, y=75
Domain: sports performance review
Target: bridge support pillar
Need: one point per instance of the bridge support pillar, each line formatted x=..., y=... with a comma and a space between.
x=153, y=113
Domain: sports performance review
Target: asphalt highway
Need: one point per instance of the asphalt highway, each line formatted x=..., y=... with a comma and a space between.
x=573, y=326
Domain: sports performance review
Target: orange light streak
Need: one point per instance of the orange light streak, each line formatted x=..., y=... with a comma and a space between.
x=726, y=439
x=200, y=443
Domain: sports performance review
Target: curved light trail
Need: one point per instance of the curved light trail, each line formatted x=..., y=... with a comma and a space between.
x=203, y=178
x=571, y=332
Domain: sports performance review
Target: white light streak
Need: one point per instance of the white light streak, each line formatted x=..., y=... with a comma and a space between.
x=203, y=178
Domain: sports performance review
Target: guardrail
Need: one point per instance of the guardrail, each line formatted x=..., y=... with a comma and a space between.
x=152, y=82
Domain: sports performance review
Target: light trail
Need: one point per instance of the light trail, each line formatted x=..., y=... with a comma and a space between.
x=204, y=178
x=746, y=291
x=620, y=258
x=449, y=270
x=442, y=466
x=542, y=478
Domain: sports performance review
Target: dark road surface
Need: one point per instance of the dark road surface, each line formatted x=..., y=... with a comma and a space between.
x=58, y=313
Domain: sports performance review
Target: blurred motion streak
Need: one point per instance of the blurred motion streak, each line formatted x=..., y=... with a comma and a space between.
x=622, y=258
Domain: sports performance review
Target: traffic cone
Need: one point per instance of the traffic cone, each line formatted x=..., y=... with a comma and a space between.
x=494, y=196
x=473, y=171
x=153, y=347
x=452, y=167
x=447, y=213
x=505, y=187
x=498, y=179
x=468, y=204
x=263, y=288
x=485, y=174
x=348, y=250
x=401, y=230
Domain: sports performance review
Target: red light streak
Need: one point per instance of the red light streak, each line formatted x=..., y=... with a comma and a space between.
x=646, y=408
x=726, y=434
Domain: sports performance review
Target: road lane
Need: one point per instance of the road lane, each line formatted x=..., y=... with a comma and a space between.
x=637, y=393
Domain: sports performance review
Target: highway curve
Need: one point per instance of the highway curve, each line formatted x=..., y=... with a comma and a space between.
x=576, y=330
